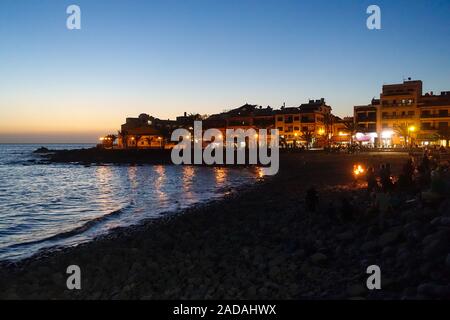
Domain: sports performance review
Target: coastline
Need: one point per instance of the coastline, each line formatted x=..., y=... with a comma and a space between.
x=258, y=242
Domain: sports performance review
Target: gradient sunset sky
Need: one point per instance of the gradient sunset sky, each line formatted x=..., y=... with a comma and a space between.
x=167, y=57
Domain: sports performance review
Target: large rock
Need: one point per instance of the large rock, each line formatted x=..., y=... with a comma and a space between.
x=389, y=237
x=369, y=246
x=433, y=290
x=435, y=248
x=441, y=221
x=319, y=258
x=356, y=290
x=435, y=244
x=348, y=235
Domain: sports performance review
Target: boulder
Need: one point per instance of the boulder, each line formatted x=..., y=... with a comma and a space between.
x=318, y=258
x=389, y=237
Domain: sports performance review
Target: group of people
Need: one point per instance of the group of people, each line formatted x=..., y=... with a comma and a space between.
x=424, y=177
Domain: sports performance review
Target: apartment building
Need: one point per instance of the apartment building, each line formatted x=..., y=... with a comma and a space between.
x=310, y=123
x=403, y=116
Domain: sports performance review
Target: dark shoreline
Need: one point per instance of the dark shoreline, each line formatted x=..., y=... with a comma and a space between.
x=255, y=243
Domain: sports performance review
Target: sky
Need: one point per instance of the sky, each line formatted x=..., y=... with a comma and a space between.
x=168, y=57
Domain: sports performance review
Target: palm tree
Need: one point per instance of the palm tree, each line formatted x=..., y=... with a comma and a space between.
x=403, y=131
x=351, y=127
x=444, y=134
x=137, y=138
x=123, y=136
x=328, y=121
x=308, y=136
x=149, y=140
x=111, y=138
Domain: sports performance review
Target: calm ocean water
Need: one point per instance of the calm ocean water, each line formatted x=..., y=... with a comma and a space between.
x=48, y=205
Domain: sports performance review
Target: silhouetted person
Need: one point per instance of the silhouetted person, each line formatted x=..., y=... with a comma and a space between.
x=385, y=177
x=371, y=179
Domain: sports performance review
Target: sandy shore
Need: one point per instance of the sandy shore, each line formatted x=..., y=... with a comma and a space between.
x=258, y=243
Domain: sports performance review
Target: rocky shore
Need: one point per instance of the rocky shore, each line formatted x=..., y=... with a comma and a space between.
x=263, y=243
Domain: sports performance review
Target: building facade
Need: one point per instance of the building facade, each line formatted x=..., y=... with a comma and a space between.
x=404, y=116
x=310, y=124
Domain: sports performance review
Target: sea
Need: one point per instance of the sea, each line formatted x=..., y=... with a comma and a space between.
x=48, y=206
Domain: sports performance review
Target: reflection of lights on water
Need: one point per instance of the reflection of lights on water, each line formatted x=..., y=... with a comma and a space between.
x=188, y=174
x=220, y=175
x=103, y=178
x=159, y=182
x=262, y=172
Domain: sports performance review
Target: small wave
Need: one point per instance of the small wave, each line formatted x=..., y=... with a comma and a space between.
x=79, y=230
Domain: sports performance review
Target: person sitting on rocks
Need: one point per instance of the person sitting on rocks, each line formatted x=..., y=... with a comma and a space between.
x=385, y=177
x=371, y=179
x=405, y=180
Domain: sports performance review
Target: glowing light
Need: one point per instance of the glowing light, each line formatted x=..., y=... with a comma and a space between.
x=101, y=139
x=412, y=128
x=387, y=134
x=343, y=134
x=358, y=169
x=321, y=131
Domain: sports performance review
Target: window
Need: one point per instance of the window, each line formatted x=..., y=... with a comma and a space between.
x=296, y=128
x=280, y=119
x=411, y=113
x=280, y=128
x=443, y=125
x=426, y=126
x=443, y=113
x=296, y=118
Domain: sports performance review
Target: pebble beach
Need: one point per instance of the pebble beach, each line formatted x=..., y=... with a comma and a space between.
x=260, y=242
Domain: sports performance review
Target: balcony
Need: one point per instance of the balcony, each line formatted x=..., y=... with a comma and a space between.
x=435, y=115
x=397, y=116
x=366, y=119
